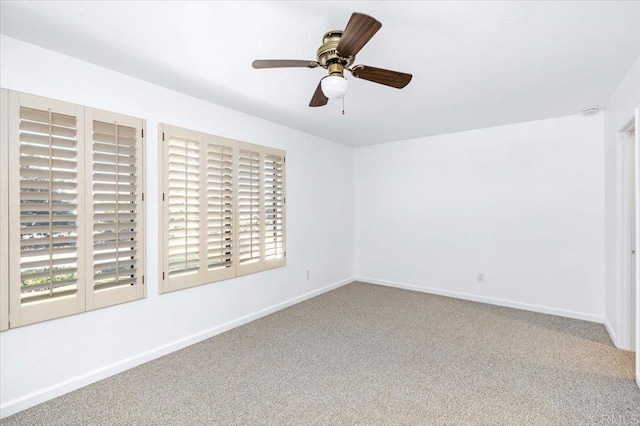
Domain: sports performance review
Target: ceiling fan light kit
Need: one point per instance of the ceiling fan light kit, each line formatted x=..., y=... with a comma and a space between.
x=334, y=87
x=337, y=53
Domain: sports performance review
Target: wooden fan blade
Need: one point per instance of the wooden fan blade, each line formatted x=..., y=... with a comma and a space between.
x=358, y=32
x=318, y=99
x=378, y=75
x=283, y=63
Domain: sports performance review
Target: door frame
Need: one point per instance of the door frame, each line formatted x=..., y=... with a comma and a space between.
x=625, y=315
x=636, y=128
x=624, y=339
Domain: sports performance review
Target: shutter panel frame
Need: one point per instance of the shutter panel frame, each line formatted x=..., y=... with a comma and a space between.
x=117, y=289
x=246, y=268
x=167, y=135
x=228, y=150
x=58, y=305
x=279, y=257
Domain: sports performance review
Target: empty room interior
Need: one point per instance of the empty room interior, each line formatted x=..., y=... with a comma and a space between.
x=319, y=212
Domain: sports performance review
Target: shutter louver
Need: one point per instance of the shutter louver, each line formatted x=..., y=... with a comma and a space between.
x=116, y=205
x=48, y=205
x=273, y=207
x=220, y=226
x=249, y=214
x=183, y=200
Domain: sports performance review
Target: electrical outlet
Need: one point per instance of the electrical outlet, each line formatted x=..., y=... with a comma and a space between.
x=308, y=275
x=319, y=272
x=480, y=277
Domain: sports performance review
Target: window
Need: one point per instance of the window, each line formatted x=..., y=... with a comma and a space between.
x=223, y=212
x=75, y=208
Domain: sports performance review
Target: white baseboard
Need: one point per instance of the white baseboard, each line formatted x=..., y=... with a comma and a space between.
x=22, y=403
x=611, y=332
x=489, y=300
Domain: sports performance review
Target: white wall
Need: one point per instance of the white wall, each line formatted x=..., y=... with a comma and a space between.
x=620, y=111
x=521, y=203
x=42, y=360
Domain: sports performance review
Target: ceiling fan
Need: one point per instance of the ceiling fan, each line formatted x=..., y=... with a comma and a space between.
x=337, y=53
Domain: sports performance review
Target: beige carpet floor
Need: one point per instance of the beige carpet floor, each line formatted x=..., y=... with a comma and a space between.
x=365, y=354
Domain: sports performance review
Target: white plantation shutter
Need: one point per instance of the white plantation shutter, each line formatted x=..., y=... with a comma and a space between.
x=274, y=208
x=223, y=209
x=46, y=168
x=182, y=227
x=4, y=210
x=219, y=209
x=116, y=210
x=72, y=182
x=250, y=211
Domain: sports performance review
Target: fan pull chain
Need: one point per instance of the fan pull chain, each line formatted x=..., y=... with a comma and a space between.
x=343, y=105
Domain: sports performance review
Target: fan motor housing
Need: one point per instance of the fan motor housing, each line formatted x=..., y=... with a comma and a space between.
x=328, y=52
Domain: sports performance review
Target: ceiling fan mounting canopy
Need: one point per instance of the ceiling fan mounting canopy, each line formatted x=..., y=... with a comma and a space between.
x=337, y=53
x=328, y=52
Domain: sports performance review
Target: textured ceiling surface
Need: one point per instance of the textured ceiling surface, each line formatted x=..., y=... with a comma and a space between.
x=474, y=64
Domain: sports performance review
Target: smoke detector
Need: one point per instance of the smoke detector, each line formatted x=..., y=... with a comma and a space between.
x=590, y=110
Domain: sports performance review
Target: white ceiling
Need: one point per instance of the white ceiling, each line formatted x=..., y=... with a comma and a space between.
x=474, y=64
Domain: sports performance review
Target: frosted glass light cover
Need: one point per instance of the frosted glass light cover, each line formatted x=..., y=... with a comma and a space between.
x=334, y=87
